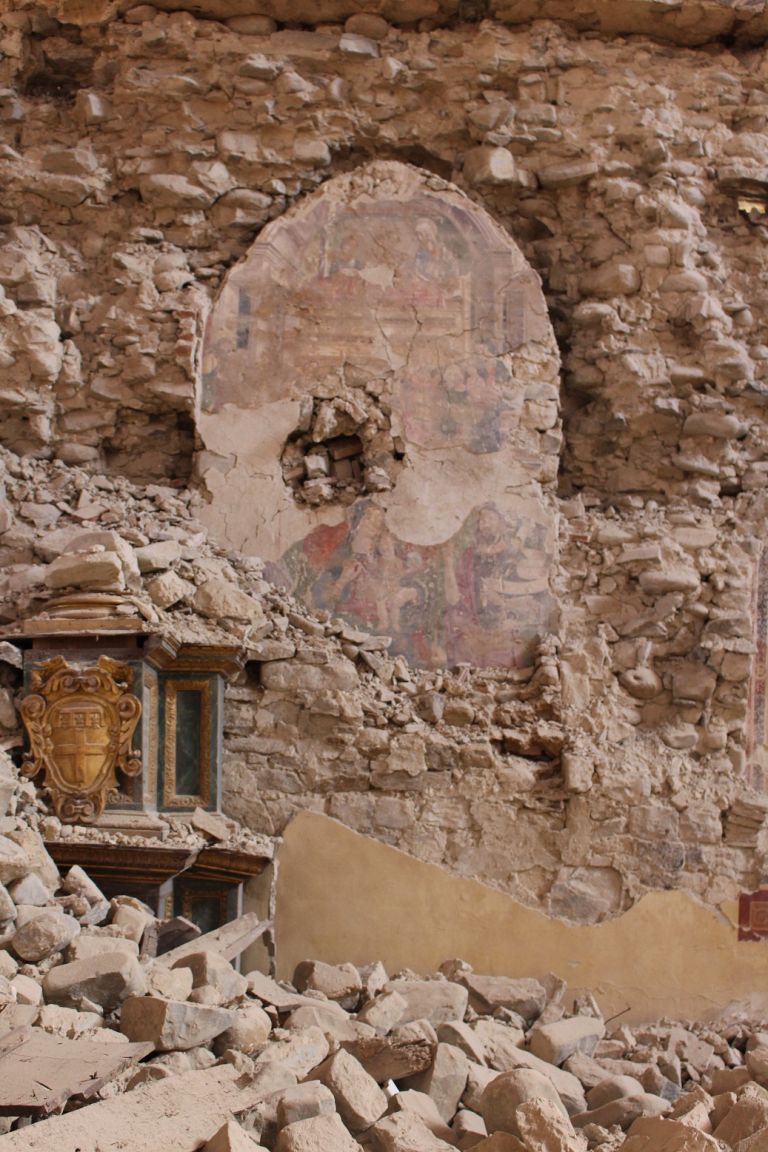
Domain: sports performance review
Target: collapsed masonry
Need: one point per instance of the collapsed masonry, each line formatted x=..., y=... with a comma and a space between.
x=146, y=1042
x=143, y=152
x=443, y=764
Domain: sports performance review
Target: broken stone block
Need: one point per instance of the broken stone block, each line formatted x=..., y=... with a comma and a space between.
x=319, y=1134
x=478, y=1079
x=30, y=890
x=232, y=1138
x=404, y=1052
x=566, y=1085
x=623, y=1111
x=13, y=861
x=86, y=570
x=170, y=1024
x=26, y=990
x=211, y=824
x=462, y=1036
x=425, y=1108
x=8, y=966
x=157, y=556
x=85, y=946
x=468, y=1129
x=525, y=996
x=359, y=1099
x=587, y=1070
x=303, y=1102
x=384, y=1012
x=169, y=983
x=487, y=165
x=300, y=1054
x=544, y=1128
x=500, y=1100
x=556, y=1042
x=756, y=1060
x=405, y=1132
x=49, y=932
x=168, y=589
x=339, y=982
x=656, y=1132
x=105, y=979
x=500, y=1142
x=501, y=1043
x=249, y=1030
x=218, y=599
x=130, y=921
x=438, y=1001
x=444, y=1082
x=210, y=968
x=748, y=1115
x=329, y=1017
x=7, y=906
x=613, y=1088
x=78, y=883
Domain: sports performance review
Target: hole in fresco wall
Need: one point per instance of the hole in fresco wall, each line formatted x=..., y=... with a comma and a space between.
x=342, y=448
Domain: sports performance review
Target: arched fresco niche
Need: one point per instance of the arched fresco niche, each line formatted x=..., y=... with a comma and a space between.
x=379, y=416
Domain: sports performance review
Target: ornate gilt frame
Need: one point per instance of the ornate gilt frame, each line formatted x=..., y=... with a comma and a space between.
x=172, y=798
x=80, y=720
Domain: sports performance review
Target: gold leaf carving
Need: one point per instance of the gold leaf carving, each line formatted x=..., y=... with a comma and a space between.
x=80, y=722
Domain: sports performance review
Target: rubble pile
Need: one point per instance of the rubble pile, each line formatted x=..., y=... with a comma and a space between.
x=345, y=1056
x=439, y=763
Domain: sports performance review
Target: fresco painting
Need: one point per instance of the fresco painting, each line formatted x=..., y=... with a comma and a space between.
x=482, y=597
x=389, y=282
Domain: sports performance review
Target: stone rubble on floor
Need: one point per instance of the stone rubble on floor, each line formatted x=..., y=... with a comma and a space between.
x=353, y=1057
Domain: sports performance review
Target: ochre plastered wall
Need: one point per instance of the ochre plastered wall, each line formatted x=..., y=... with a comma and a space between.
x=342, y=896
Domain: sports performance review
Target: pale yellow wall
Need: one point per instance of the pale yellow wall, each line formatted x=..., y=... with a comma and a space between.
x=342, y=896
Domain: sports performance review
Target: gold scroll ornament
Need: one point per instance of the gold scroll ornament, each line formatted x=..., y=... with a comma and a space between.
x=80, y=722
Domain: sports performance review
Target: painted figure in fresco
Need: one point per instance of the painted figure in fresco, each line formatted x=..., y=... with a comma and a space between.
x=368, y=588
x=480, y=597
x=464, y=405
x=358, y=570
x=496, y=589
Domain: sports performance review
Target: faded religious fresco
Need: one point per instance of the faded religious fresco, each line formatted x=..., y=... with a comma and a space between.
x=378, y=286
x=390, y=290
x=481, y=597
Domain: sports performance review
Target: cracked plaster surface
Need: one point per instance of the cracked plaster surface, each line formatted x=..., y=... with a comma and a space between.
x=389, y=284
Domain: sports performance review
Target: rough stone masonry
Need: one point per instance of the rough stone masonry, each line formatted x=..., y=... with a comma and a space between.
x=146, y=148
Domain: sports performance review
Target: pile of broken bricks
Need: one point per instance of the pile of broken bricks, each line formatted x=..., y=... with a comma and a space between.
x=113, y=1034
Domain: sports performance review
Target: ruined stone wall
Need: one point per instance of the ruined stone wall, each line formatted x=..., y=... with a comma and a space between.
x=140, y=159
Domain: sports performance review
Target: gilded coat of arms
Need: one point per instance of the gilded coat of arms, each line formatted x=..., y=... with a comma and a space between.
x=80, y=722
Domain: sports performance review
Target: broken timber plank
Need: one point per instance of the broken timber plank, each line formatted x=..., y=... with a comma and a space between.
x=180, y=1113
x=40, y=1072
x=173, y=933
x=269, y=992
x=229, y=940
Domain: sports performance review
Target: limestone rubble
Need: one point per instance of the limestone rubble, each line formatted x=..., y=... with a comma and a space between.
x=352, y=1057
